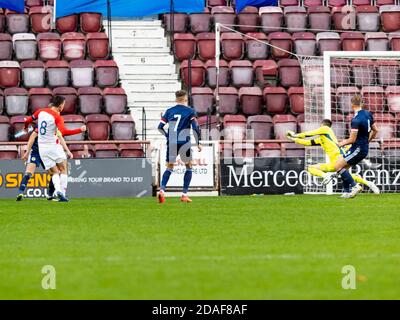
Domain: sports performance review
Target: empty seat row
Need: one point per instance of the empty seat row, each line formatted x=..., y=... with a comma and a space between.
x=257, y=46
x=249, y=100
x=99, y=127
x=242, y=73
x=77, y=73
x=88, y=100
x=50, y=46
x=38, y=20
x=364, y=17
x=123, y=150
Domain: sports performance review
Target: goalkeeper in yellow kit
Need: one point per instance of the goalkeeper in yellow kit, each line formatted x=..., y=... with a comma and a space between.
x=326, y=138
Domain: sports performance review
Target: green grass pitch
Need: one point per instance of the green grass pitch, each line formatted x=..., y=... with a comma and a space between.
x=266, y=247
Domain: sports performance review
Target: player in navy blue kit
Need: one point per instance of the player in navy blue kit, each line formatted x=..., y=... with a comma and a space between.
x=180, y=119
x=363, y=130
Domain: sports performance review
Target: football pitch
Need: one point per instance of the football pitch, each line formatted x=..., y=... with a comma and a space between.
x=260, y=247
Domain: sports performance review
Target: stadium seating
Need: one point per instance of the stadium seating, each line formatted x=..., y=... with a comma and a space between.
x=57, y=73
x=6, y=46
x=4, y=128
x=251, y=100
x=16, y=101
x=33, y=74
x=234, y=127
x=131, y=150
x=228, y=100
x=90, y=22
x=114, y=101
x=106, y=150
x=39, y=98
x=89, y=100
x=179, y=23
x=232, y=46
x=17, y=123
x=25, y=46
x=107, y=73
x=223, y=15
x=206, y=45
x=82, y=73
x=81, y=151
x=97, y=45
x=374, y=98
x=197, y=74
x=304, y=43
x=271, y=19
x=184, y=46
x=296, y=99
x=319, y=17
x=123, y=127
x=40, y=18
x=67, y=24
x=282, y=40
x=292, y=150
x=283, y=123
x=211, y=74
x=275, y=99
x=73, y=45
x=269, y=150
x=256, y=50
x=248, y=20
x=261, y=125
x=17, y=22
x=98, y=126
x=295, y=18
x=49, y=44
x=202, y=100
x=71, y=98
x=1, y=101
x=392, y=95
x=200, y=22
x=241, y=73
x=74, y=121
x=8, y=152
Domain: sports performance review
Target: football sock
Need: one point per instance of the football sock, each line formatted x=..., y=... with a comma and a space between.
x=64, y=182
x=24, y=182
x=346, y=187
x=186, y=180
x=56, y=182
x=316, y=172
x=346, y=176
x=165, y=179
x=50, y=188
x=358, y=179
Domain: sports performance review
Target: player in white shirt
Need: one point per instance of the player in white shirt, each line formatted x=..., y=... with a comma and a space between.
x=50, y=149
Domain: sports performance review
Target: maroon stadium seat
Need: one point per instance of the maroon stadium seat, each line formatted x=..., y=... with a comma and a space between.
x=271, y=19
x=1, y=101
x=82, y=73
x=228, y=100
x=376, y=41
x=336, y=3
x=256, y=50
x=212, y=133
x=115, y=100
x=67, y=24
x=4, y=128
x=391, y=149
x=292, y=150
x=40, y=18
x=74, y=121
x=295, y=18
x=296, y=98
x=251, y=100
x=98, y=126
x=269, y=150
x=184, y=46
x=49, y=44
x=200, y=22
x=234, y=127
x=232, y=46
x=306, y=126
x=107, y=73
x=289, y=73
x=10, y=74
x=344, y=96
x=123, y=127
x=328, y=41
x=106, y=150
x=281, y=40
x=247, y=20
x=266, y=72
x=57, y=73
x=224, y=76
x=180, y=22
x=374, y=98
x=319, y=17
x=214, y=3
x=363, y=72
x=33, y=3
x=304, y=43
x=202, y=100
x=344, y=18
x=339, y=125
x=283, y=123
x=340, y=72
x=386, y=123
x=223, y=15
x=131, y=150
x=261, y=125
x=289, y=3
x=352, y=41
x=70, y=96
x=206, y=45
x=16, y=101
x=97, y=45
x=241, y=73
x=368, y=18
x=89, y=100
x=25, y=46
x=33, y=75
x=81, y=151
x=6, y=46
x=39, y=98
x=90, y=22
x=275, y=99
x=74, y=45
x=17, y=22
x=358, y=3
x=380, y=3
x=390, y=18
x=392, y=94
x=17, y=123
x=8, y=152
x=394, y=42
x=244, y=150
x=198, y=73
x=2, y=21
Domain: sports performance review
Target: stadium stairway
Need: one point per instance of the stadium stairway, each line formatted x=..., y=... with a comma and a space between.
x=147, y=70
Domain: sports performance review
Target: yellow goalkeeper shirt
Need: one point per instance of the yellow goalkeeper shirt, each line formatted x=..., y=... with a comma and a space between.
x=326, y=139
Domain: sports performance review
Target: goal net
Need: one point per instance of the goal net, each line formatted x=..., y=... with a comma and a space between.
x=329, y=84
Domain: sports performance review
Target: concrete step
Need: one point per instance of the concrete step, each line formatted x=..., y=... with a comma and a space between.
x=140, y=32
x=132, y=22
x=151, y=88
x=150, y=105
x=144, y=81
x=148, y=70
x=122, y=42
x=155, y=96
x=133, y=76
x=128, y=60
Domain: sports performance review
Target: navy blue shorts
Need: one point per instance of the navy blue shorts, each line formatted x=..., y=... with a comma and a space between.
x=355, y=155
x=34, y=157
x=184, y=150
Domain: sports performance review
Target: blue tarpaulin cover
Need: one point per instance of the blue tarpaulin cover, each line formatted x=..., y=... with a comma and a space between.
x=240, y=4
x=15, y=5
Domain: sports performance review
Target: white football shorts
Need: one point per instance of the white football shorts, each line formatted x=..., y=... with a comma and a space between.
x=51, y=154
